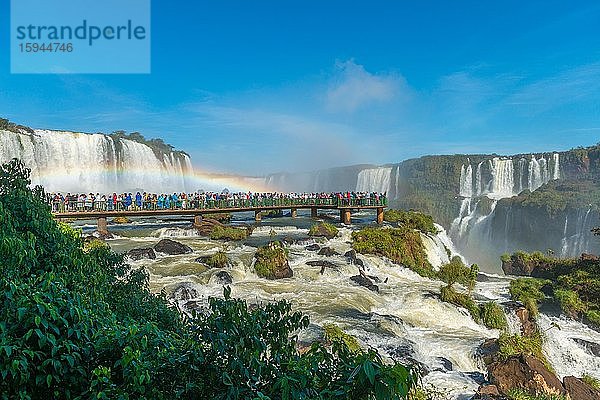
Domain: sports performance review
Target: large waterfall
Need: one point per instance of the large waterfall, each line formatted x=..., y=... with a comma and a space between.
x=496, y=179
x=68, y=161
x=374, y=180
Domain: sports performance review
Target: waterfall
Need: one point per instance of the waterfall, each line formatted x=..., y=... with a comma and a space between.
x=478, y=180
x=556, y=166
x=374, y=180
x=502, y=184
x=466, y=180
x=577, y=240
x=69, y=161
x=535, y=174
x=522, y=168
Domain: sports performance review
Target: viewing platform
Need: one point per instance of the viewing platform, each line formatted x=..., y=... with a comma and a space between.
x=100, y=211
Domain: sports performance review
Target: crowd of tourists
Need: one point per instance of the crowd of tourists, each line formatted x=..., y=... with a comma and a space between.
x=70, y=202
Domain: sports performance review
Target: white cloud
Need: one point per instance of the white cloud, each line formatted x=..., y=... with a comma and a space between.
x=354, y=87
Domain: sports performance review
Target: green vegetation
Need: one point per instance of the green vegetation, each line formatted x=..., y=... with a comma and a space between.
x=520, y=394
x=269, y=259
x=528, y=291
x=221, y=217
x=492, y=315
x=217, y=260
x=334, y=333
x=449, y=295
x=514, y=345
x=403, y=246
x=228, y=233
x=324, y=229
x=590, y=380
x=158, y=146
x=457, y=272
x=83, y=324
x=572, y=283
x=411, y=219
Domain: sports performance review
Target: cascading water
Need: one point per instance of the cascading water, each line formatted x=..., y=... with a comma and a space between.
x=576, y=240
x=68, y=161
x=374, y=180
x=466, y=181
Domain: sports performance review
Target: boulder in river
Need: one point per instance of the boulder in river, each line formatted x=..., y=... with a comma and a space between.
x=323, y=264
x=350, y=255
x=323, y=229
x=591, y=347
x=271, y=262
x=526, y=373
x=172, y=247
x=327, y=251
x=185, y=291
x=141, y=253
x=224, y=277
x=363, y=280
x=577, y=389
x=313, y=247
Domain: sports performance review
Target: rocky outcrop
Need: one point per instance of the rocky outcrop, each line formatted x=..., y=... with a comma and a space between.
x=138, y=254
x=171, y=247
x=591, y=347
x=207, y=225
x=580, y=390
x=323, y=264
x=327, y=251
x=224, y=277
x=185, y=292
x=526, y=373
x=488, y=392
x=350, y=255
x=271, y=262
x=323, y=229
x=313, y=247
x=365, y=281
x=528, y=326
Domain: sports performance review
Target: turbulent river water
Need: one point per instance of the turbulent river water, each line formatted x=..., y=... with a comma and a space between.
x=405, y=321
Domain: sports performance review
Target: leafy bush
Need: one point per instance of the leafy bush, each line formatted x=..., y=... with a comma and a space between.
x=83, y=324
x=570, y=302
x=228, y=233
x=449, y=295
x=520, y=394
x=411, y=219
x=528, y=291
x=402, y=246
x=492, y=315
x=457, y=272
x=593, y=316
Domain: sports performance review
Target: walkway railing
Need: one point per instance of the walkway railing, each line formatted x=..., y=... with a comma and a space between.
x=210, y=204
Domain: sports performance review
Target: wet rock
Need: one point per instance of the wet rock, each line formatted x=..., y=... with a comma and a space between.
x=526, y=373
x=446, y=364
x=488, y=392
x=527, y=323
x=359, y=262
x=313, y=247
x=323, y=230
x=224, y=277
x=374, y=278
x=185, y=291
x=477, y=376
x=271, y=262
x=323, y=264
x=172, y=247
x=138, y=254
x=364, y=281
x=350, y=255
x=327, y=251
x=207, y=225
x=580, y=390
x=213, y=261
x=590, y=347
x=488, y=351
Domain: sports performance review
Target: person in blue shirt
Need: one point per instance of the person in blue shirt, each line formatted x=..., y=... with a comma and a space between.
x=167, y=201
x=128, y=201
x=138, y=200
x=160, y=203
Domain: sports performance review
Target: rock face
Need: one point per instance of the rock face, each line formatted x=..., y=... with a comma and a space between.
x=327, y=251
x=323, y=230
x=207, y=225
x=271, y=262
x=579, y=390
x=527, y=323
x=138, y=254
x=524, y=372
x=313, y=247
x=323, y=264
x=591, y=347
x=350, y=255
x=184, y=292
x=365, y=281
x=224, y=277
x=172, y=247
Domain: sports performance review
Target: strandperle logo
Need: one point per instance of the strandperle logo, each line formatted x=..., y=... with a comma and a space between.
x=85, y=31
x=80, y=36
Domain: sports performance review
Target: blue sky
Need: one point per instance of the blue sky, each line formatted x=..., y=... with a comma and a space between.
x=261, y=86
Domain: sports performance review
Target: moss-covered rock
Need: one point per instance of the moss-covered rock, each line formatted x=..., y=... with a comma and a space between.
x=323, y=229
x=492, y=315
x=229, y=233
x=334, y=333
x=450, y=295
x=271, y=261
x=411, y=219
x=402, y=246
x=120, y=220
x=217, y=260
